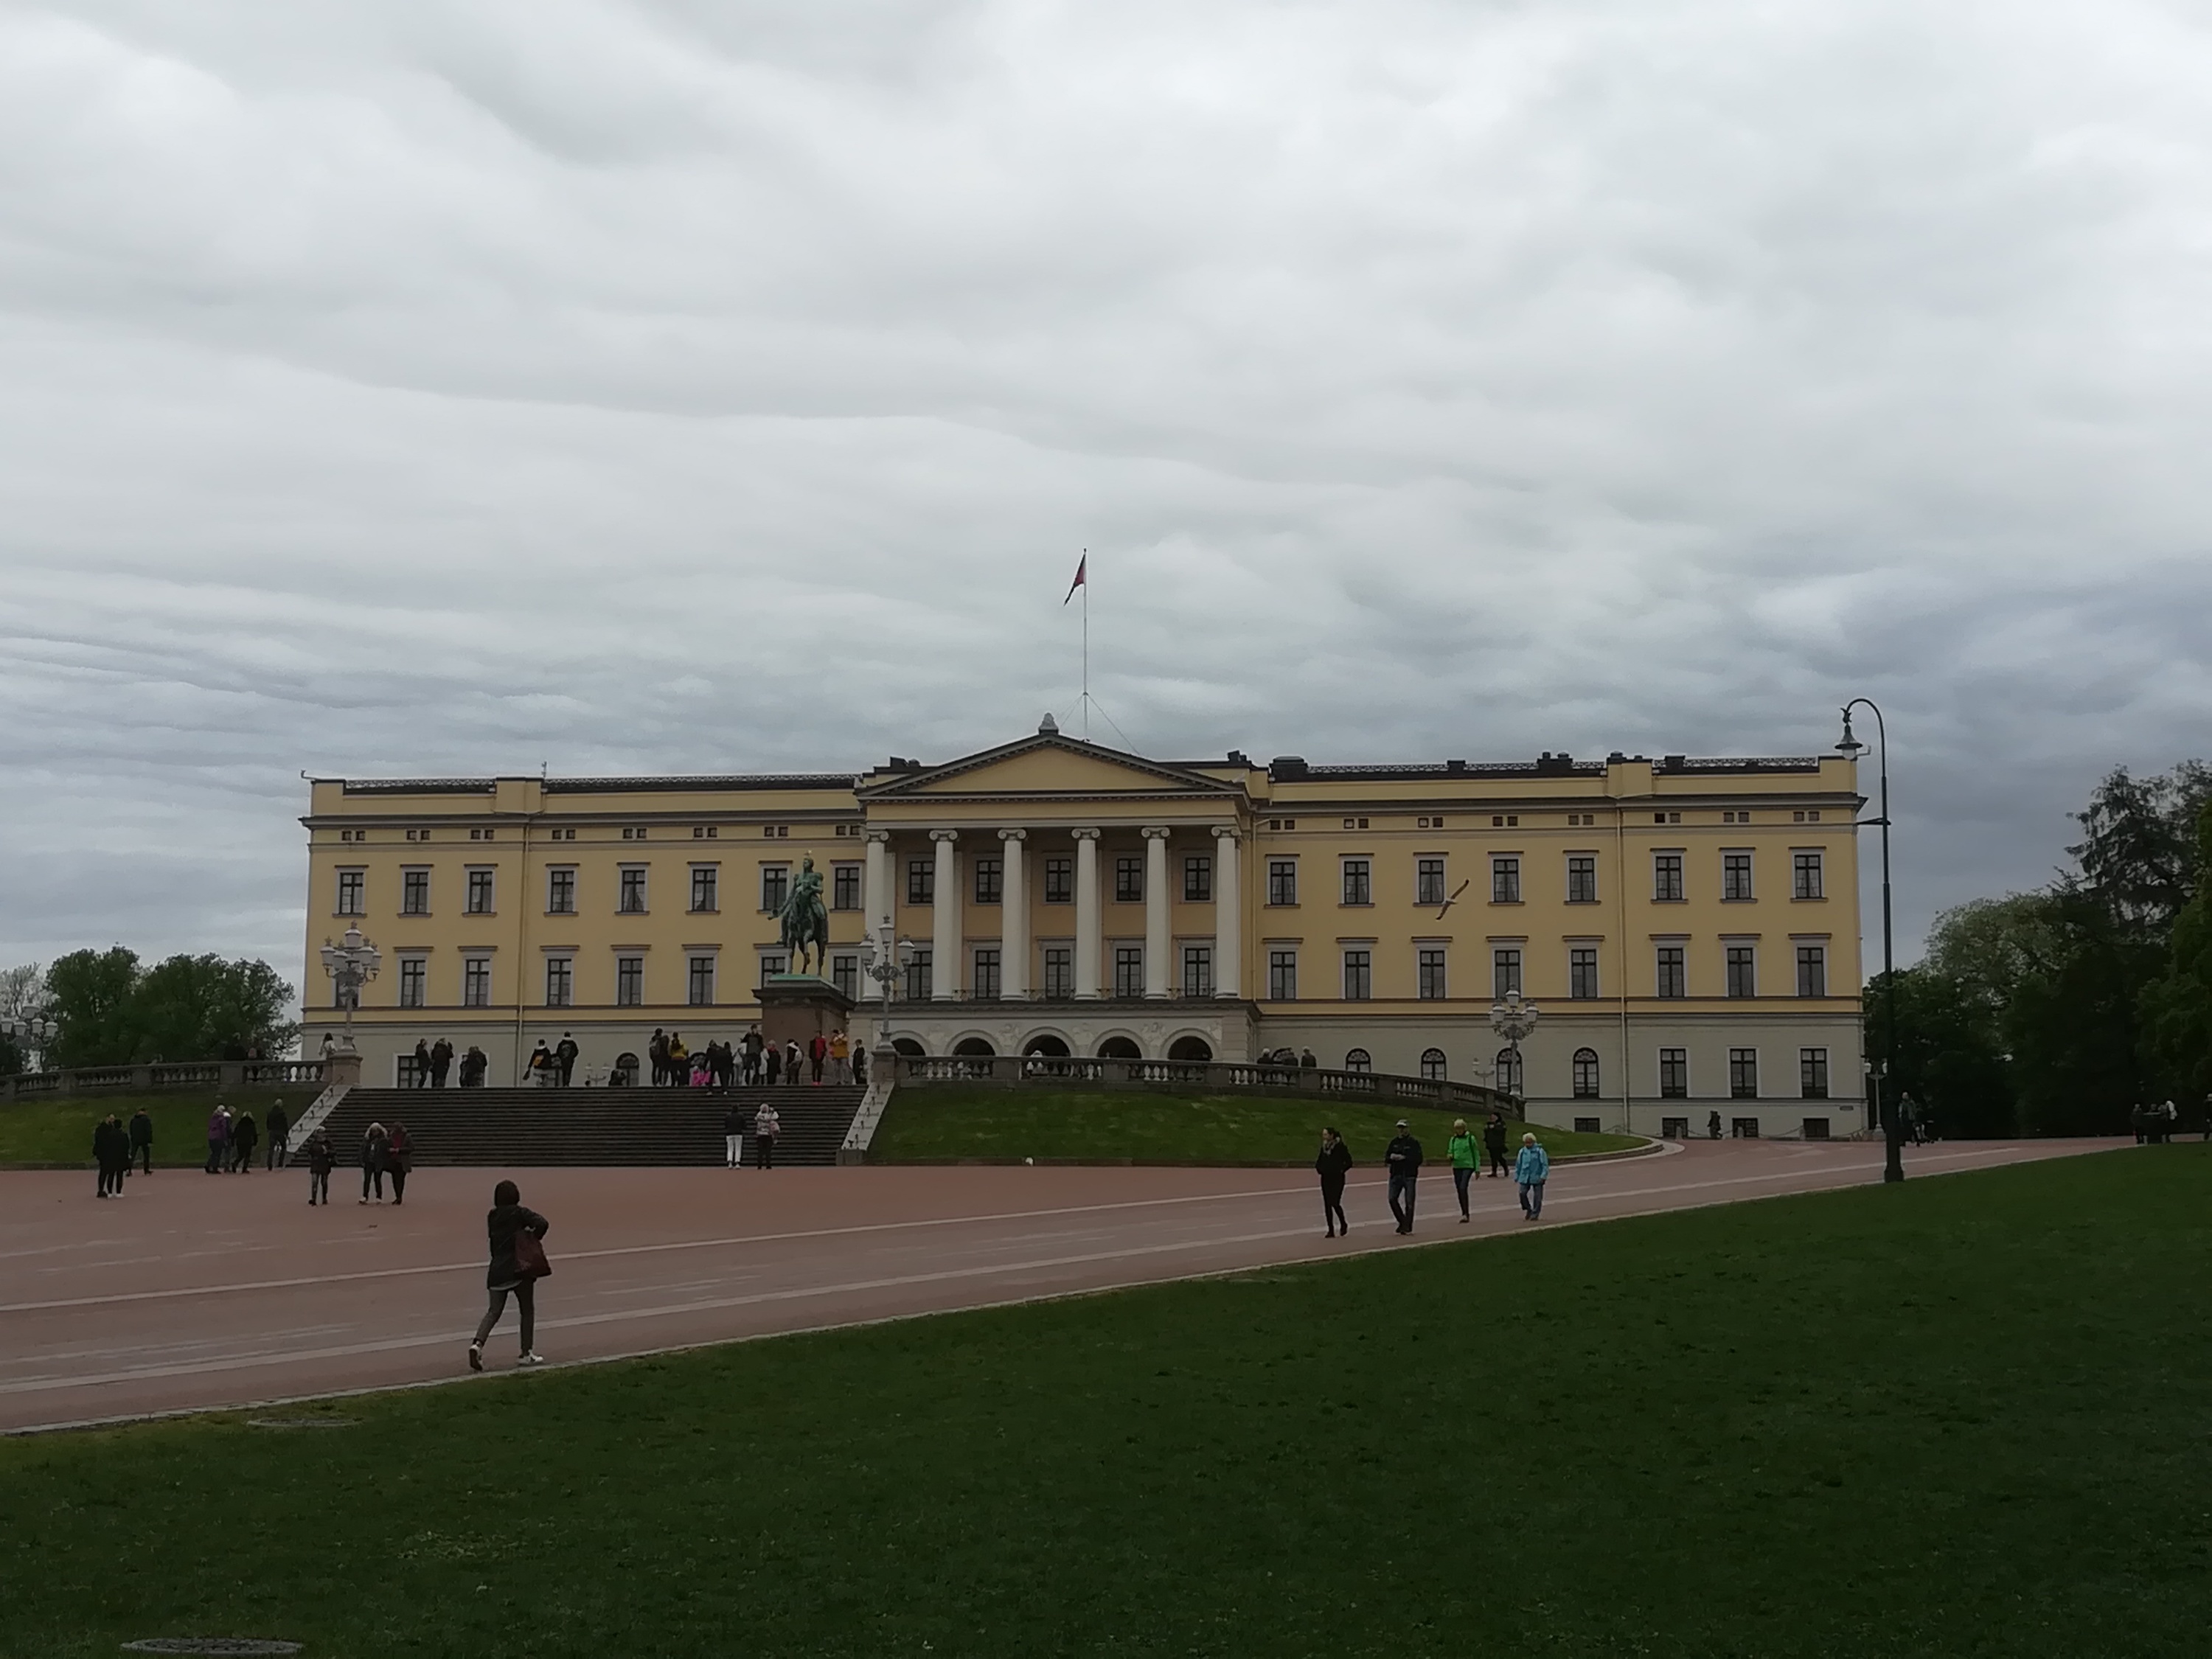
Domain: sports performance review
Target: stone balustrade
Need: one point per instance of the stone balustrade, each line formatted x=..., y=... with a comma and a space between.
x=164, y=1074
x=1208, y=1077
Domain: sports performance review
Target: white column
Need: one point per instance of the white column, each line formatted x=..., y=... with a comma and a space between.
x=1087, y=947
x=944, y=926
x=1014, y=920
x=1228, y=915
x=1156, y=912
x=878, y=878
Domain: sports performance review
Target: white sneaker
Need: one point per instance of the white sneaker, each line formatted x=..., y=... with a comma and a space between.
x=533, y=1357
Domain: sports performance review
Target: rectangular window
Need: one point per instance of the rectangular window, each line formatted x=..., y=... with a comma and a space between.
x=1506, y=881
x=353, y=899
x=1743, y=1073
x=1059, y=971
x=1282, y=881
x=1581, y=879
x=700, y=983
x=1742, y=970
x=476, y=983
x=985, y=982
x=1736, y=875
x=1674, y=971
x=480, y=893
x=629, y=982
x=1429, y=973
x=1128, y=881
x=559, y=892
x=1675, y=1073
x=1667, y=878
x=414, y=981
x=1582, y=972
x=705, y=878
x=922, y=881
x=1358, y=975
x=1060, y=881
x=1504, y=971
x=414, y=893
x=1358, y=887
x=845, y=975
x=990, y=880
x=845, y=887
x=1812, y=971
x=919, y=976
x=1805, y=875
x=773, y=963
x=1198, y=970
x=776, y=887
x=1198, y=878
x=1128, y=970
x=1812, y=1073
x=560, y=982
x=1282, y=975
x=1428, y=881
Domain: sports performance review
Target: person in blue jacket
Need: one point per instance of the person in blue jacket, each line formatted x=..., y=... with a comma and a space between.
x=1530, y=1170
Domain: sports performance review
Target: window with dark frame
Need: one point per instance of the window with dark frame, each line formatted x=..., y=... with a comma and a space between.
x=1060, y=881
x=922, y=881
x=1667, y=878
x=415, y=892
x=353, y=891
x=629, y=982
x=990, y=878
x=1128, y=880
x=560, y=892
x=1504, y=971
x=1429, y=973
x=1504, y=881
x=629, y=897
x=1433, y=1066
x=476, y=983
x=1812, y=1073
x=700, y=982
x=1198, y=878
x=705, y=878
x=560, y=982
x=1674, y=971
x=1359, y=886
x=1198, y=970
x=1358, y=975
x=480, y=893
x=776, y=887
x=1282, y=975
x=1742, y=970
x=1428, y=881
x=1743, y=1073
x=414, y=981
x=1805, y=875
x=1059, y=971
x=1675, y=1073
x=1507, y=1071
x=772, y=965
x=845, y=975
x=1128, y=970
x=1812, y=971
x=1581, y=879
x=1282, y=881
x=985, y=983
x=1586, y=1074
x=845, y=887
x=1582, y=973
x=1359, y=1061
x=1735, y=876
x=919, y=976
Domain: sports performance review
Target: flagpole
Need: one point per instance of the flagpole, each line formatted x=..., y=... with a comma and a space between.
x=1086, y=650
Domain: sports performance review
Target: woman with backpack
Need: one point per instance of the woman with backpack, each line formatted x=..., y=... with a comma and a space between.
x=518, y=1262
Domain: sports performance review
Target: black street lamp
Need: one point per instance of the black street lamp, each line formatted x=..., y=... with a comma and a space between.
x=1893, y=1128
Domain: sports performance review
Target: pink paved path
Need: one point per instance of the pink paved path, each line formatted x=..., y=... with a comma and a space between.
x=193, y=1291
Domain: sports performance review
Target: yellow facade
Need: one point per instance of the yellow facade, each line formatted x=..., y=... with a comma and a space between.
x=1365, y=919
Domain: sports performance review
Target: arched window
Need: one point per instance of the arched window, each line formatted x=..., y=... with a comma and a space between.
x=974, y=1045
x=1509, y=1071
x=1432, y=1065
x=1359, y=1060
x=1044, y=1043
x=1118, y=1048
x=1190, y=1048
x=908, y=1047
x=1585, y=1074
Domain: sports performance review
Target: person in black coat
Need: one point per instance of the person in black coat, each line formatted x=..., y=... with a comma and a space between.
x=508, y=1219
x=111, y=1151
x=243, y=1138
x=141, y=1141
x=441, y=1062
x=280, y=1136
x=1333, y=1164
x=1493, y=1143
x=1403, y=1161
x=733, y=1137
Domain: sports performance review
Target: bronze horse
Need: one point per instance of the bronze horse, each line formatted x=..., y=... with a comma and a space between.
x=806, y=922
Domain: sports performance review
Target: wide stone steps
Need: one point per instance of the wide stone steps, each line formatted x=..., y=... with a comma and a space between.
x=525, y=1128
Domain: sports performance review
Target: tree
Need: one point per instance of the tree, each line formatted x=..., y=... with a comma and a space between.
x=22, y=993
x=1949, y=1052
x=91, y=996
x=110, y=1012
x=2138, y=850
x=2177, y=1007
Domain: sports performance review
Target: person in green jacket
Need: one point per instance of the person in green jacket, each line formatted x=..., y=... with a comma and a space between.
x=1530, y=1170
x=1465, y=1160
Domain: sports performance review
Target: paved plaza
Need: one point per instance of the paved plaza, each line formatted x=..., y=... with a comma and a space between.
x=195, y=1292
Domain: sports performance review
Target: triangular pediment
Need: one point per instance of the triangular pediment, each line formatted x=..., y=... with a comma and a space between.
x=1047, y=765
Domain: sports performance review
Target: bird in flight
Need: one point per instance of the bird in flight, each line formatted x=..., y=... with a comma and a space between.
x=1452, y=900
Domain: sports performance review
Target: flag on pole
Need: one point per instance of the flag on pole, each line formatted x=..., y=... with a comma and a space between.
x=1081, y=579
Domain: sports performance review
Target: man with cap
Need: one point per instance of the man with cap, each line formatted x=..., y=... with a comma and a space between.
x=1404, y=1161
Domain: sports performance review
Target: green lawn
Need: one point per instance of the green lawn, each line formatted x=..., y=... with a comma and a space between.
x=1964, y=1416
x=933, y=1121
x=60, y=1131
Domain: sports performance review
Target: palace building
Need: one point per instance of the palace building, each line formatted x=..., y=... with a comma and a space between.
x=1688, y=929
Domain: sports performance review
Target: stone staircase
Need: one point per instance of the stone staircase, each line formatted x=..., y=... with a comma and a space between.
x=536, y=1128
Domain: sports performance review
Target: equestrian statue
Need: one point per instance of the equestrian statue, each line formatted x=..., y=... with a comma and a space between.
x=804, y=921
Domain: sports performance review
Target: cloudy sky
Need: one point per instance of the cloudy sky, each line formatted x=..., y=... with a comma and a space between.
x=658, y=385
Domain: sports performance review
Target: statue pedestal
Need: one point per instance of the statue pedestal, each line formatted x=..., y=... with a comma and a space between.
x=799, y=1007
x=342, y=1066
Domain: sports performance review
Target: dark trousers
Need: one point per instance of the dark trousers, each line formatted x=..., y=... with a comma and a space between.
x=111, y=1178
x=438, y=1077
x=143, y=1152
x=1332, y=1202
x=214, y=1157
x=369, y=1177
x=526, y=1301
x=1401, y=1187
x=318, y=1187
x=398, y=1185
x=280, y=1148
x=764, y=1152
x=1497, y=1161
x=1460, y=1178
x=815, y=1061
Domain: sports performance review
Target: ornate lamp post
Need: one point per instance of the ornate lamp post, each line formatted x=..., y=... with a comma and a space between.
x=1893, y=1129
x=884, y=962
x=351, y=963
x=1513, y=1019
x=35, y=1030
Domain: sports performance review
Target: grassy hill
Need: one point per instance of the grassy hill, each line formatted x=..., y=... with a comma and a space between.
x=948, y=1121
x=59, y=1130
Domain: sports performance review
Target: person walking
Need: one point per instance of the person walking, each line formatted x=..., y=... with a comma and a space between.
x=218, y=1133
x=111, y=1152
x=1493, y=1143
x=141, y=1141
x=733, y=1137
x=421, y=1076
x=280, y=1134
x=753, y=1062
x=1332, y=1163
x=792, y=1061
x=565, y=1051
x=539, y=1066
x=1403, y=1161
x=474, y=1065
x=678, y=1067
x=515, y=1269
x=373, y=1142
x=243, y=1136
x=1461, y=1150
x=766, y=1126
x=322, y=1158
x=859, y=1055
x=1531, y=1169
x=657, y=1052
x=442, y=1061
x=399, y=1159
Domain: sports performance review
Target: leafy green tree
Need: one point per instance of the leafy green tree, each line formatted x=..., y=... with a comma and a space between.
x=12, y=1058
x=1949, y=1053
x=204, y=1008
x=2177, y=1007
x=92, y=995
